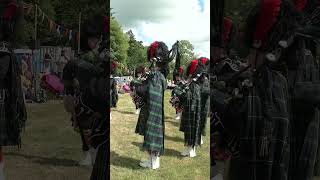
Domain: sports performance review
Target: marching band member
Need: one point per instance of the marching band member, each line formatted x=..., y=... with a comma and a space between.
x=86, y=80
x=175, y=93
x=13, y=113
x=151, y=118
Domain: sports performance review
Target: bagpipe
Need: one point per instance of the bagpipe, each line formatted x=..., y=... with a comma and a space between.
x=137, y=98
x=177, y=93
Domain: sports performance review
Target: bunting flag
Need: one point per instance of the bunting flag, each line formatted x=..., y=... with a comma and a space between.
x=53, y=27
x=58, y=29
x=29, y=8
x=42, y=17
x=39, y=11
x=66, y=32
x=50, y=24
x=70, y=35
x=78, y=37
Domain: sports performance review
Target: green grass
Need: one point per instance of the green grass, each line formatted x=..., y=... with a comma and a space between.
x=50, y=148
x=126, y=148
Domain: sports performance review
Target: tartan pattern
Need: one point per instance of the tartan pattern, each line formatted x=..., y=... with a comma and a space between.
x=227, y=141
x=142, y=119
x=3, y=116
x=264, y=148
x=317, y=163
x=151, y=118
x=13, y=112
x=304, y=142
x=305, y=120
x=190, y=120
x=100, y=168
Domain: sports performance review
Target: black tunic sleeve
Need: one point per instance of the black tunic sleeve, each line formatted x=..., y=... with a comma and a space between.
x=69, y=72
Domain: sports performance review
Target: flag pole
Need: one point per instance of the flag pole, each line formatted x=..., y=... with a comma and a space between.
x=35, y=47
x=79, y=33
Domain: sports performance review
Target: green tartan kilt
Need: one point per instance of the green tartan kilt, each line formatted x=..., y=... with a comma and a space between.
x=8, y=137
x=190, y=120
x=141, y=124
x=151, y=120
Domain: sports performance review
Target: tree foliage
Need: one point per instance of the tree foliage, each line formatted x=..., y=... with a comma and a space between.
x=137, y=52
x=119, y=42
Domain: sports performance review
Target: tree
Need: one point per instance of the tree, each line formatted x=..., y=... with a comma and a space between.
x=187, y=52
x=137, y=53
x=119, y=42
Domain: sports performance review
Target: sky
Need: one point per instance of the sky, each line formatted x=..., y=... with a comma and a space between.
x=167, y=21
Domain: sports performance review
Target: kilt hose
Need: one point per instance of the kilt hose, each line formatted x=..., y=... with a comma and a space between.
x=100, y=168
x=151, y=118
x=190, y=120
x=13, y=114
x=264, y=139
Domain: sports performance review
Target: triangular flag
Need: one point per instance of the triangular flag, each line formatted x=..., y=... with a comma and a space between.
x=50, y=24
x=58, y=29
x=78, y=37
x=39, y=11
x=61, y=30
x=70, y=35
x=29, y=10
x=42, y=17
x=66, y=32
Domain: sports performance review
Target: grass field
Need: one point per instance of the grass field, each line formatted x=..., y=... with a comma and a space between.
x=50, y=148
x=126, y=148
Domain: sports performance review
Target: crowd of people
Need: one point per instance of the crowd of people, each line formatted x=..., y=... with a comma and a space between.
x=264, y=95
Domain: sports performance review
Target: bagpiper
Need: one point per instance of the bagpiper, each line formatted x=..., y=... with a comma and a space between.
x=13, y=113
x=191, y=102
x=151, y=118
x=86, y=79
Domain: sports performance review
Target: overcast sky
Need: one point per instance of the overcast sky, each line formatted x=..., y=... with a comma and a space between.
x=167, y=21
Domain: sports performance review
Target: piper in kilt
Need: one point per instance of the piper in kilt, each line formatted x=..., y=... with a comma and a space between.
x=86, y=81
x=191, y=115
x=113, y=85
x=13, y=113
x=151, y=118
x=304, y=81
x=264, y=125
x=205, y=96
